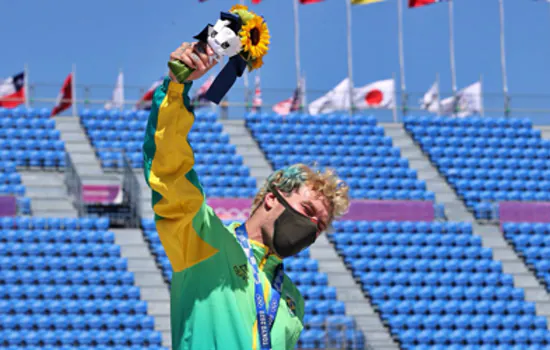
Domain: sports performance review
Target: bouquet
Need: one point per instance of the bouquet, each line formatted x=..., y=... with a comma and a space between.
x=239, y=34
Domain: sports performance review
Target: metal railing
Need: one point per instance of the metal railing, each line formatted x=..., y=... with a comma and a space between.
x=74, y=185
x=131, y=190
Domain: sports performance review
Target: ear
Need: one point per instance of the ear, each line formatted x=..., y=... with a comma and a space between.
x=269, y=201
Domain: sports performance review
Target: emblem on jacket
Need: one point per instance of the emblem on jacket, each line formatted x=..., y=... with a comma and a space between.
x=241, y=271
x=291, y=305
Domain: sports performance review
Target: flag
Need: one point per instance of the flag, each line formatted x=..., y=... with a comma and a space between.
x=199, y=99
x=336, y=99
x=118, y=94
x=12, y=91
x=364, y=2
x=293, y=103
x=419, y=3
x=65, y=97
x=305, y=2
x=379, y=94
x=147, y=98
x=257, y=100
x=256, y=1
x=430, y=101
x=468, y=101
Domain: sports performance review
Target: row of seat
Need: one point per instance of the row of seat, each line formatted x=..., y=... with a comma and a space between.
x=327, y=150
x=82, y=338
x=73, y=307
x=448, y=293
x=419, y=252
x=16, y=190
x=30, y=145
x=128, y=115
x=478, y=142
x=307, y=119
x=7, y=167
x=65, y=264
x=72, y=277
x=424, y=265
x=52, y=223
x=336, y=338
x=62, y=250
x=55, y=236
x=24, y=112
x=479, y=322
x=445, y=307
x=343, y=141
x=498, y=174
x=414, y=239
x=471, y=197
x=435, y=131
x=316, y=129
x=367, y=227
x=476, y=122
x=26, y=123
x=488, y=153
x=341, y=161
x=376, y=278
x=522, y=339
x=75, y=323
x=502, y=185
x=24, y=134
x=83, y=293
x=485, y=163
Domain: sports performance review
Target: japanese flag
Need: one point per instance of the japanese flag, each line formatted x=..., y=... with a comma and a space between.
x=379, y=94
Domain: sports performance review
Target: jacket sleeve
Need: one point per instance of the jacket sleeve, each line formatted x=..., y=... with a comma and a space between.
x=182, y=217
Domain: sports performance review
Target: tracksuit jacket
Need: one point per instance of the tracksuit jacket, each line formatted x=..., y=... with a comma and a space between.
x=212, y=292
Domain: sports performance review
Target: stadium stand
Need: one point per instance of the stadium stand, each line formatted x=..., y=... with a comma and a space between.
x=64, y=285
x=436, y=287
x=221, y=170
x=486, y=160
x=326, y=324
x=357, y=147
x=28, y=138
x=532, y=242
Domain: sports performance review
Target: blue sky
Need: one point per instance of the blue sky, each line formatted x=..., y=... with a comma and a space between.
x=101, y=37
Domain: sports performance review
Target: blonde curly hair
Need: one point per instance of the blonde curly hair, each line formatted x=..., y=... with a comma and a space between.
x=326, y=183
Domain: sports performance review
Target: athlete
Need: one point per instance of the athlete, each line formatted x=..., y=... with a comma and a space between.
x=229, y=290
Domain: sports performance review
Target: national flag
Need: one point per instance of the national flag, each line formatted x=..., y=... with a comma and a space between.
x=379, y=94
x=430, y=101
x=256, y=1
x=365, y=2
x=468, y=101
x=305, y=2
x=293, y=103
x=419, y=3
x=257, y=100
x=118, y=94
x=199, y=99
x=12, y=91
x=335, y=100
x=146, y=100
x=65, y=97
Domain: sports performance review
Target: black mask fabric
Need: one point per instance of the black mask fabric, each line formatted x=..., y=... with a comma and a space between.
x=293, y=231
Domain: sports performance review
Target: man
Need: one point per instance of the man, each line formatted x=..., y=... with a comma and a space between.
x=228, y=288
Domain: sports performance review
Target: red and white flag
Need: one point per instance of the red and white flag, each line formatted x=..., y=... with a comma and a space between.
x=419, y=3
x=257, y=100
x=293, y=103
x=199, y=99
x=147, y=98
x=65, y=97
x=12, y=91
x=379, y=94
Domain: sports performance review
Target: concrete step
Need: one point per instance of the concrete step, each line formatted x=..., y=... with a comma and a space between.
x=142, y=265
x=162, y=324
x=155, y=293
x=135, y=251
x=46, y=192
x=155, y=308
x=51, y=205
x=149, y=279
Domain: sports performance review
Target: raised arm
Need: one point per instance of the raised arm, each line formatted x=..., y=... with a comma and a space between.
x=178, y=198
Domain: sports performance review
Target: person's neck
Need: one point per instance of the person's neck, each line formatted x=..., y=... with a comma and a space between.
x=254, y=230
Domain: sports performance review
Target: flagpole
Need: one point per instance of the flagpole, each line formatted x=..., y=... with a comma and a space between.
x=26, y=85
x=245, y=80
x=350, y=62
x=503, y=60
x=394, y=100
x=482, y=111
x=438, y=94
x=452, y=47
x=401, y=54
x=297, y=45
x=120, y=72
x=73, y=88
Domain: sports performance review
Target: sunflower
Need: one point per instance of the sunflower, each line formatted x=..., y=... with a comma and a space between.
x=239, y=7
x=255, y=37
x=257, y=63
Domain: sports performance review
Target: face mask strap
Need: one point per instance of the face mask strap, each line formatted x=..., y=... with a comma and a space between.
x=283, y=201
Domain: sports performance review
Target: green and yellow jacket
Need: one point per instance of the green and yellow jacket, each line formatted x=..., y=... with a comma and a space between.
x=212, y=292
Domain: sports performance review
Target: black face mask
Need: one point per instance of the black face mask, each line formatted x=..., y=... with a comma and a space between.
x=293, y=231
